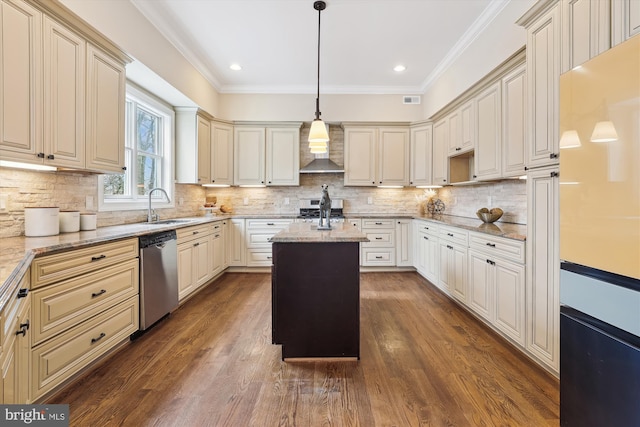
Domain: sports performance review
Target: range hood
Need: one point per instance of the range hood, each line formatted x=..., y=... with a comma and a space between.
x=322, y=164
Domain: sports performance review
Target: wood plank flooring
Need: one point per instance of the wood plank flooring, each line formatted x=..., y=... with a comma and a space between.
x=424, y=362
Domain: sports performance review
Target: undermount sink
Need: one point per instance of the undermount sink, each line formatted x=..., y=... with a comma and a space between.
x=169, y=222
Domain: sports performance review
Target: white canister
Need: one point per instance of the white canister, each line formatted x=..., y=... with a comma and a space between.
x=41, y=221
x=69, y=221
x=88, y=221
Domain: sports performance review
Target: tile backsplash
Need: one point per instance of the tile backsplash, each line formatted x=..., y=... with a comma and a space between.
x=69, y=190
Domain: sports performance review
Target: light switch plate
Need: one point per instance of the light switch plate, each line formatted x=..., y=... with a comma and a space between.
x=3, y=201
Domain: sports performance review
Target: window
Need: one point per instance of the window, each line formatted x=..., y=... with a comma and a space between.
x=148, y=156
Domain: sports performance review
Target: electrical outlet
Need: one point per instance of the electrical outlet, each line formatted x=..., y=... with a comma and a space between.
x=88, y=203
x=180, y=201
x=245, y=201
x=3, y=202
x=286, y=200
x=370, y=200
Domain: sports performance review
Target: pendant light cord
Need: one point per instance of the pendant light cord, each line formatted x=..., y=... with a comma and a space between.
x=319, y=6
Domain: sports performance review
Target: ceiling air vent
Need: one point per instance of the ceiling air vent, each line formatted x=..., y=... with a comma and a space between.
x=411, y=100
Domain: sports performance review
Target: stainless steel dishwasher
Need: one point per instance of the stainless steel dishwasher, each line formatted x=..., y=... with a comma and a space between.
x=158, y=277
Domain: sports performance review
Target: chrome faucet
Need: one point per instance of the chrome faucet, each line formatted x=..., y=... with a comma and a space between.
x=150, y=215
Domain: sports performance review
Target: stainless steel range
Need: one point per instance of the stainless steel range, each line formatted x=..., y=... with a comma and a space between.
x=310, y=211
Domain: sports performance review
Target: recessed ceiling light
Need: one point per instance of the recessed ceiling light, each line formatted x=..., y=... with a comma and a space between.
x=235, y=67
x=399, y=68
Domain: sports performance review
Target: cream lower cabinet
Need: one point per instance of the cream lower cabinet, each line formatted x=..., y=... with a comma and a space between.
x=380, y=250
x=195, y=258
x=218, y=247
x=15, y=347
x=258, y=233
x=497, y=283
x=84, y=303
x=427, y=250
x=404, y=243
x=236, y=244
x=453, y=243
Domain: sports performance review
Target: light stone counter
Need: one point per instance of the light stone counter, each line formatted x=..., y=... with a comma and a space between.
x=501, y=229
x=308, y=233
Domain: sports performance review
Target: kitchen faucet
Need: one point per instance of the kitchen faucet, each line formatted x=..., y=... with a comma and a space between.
x=150, y=215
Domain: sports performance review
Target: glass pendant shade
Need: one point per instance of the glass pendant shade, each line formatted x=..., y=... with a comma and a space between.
x=604, y=132
x=570, y=139
x=318, y=132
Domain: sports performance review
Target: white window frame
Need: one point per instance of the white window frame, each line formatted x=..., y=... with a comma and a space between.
x=168, y=171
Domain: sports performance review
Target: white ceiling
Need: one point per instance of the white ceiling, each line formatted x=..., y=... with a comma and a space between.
x=275, y=41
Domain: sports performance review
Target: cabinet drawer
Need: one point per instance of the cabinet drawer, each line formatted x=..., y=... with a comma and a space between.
x=193, y=232
x=427, y=228
x=56, y=360
x=260, y=238
x=59, y=307
x=498, y=246
x=276, y=224
x=259, y=258
x=378, y=257
x=9, y=315
x=378, y=223
x=380, y=239
x=54, y=268
x=455, y=235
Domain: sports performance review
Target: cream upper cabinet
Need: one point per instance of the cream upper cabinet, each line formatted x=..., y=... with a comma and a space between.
x=221, y=153
x=283, y=156
x=462, y=129
x=106, y=104
x=248, y=156
x=440, y=140
x=20, y=82
x=265, y=155
x=360, y=154
x=193, y=146
x=514, y=97
x=625, y=20
x=376, y=155
x=420, y=155
x=543, y=79
x=64, y=95
x=586, y=30
x=488, y=154
x=393, y=156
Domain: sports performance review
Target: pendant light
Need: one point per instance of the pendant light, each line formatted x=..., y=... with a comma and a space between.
x=318, y=136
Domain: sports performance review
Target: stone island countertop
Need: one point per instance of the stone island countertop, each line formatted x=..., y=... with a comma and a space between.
x=308, y=233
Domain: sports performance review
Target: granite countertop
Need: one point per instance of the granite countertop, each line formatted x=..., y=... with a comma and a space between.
x=308, y=233
x=501, y=229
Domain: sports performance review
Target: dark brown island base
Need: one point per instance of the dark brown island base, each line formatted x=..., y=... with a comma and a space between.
x=316, y=291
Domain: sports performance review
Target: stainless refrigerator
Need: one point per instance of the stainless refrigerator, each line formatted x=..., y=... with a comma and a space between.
x=600, y=240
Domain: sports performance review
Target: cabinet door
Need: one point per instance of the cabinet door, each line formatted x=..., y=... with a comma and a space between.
x=218, y=252
x=509, y=299
x=204, y=150
x=404, y=243
x=454, y=143
x=20, y=82
x=393, y=156
x=625, y=20
x=446, y=276
x=283, y=156
x=105, y=112
x=481, y=279
x=420, y=157
x=585, y=30
x=420, y=256
x=543, y=78
x=488, y=155
x=360, y=148
x=248, y=156
x=186, y=275
x=237, y=248
x=543, y=266
x=440, y=141
x=221, y=154
x=513, y=122
x=467, y=126
x=64, y=96
x=203, y=260
x=458, y=282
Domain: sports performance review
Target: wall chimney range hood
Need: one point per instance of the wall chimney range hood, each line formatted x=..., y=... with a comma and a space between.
x=322, y=165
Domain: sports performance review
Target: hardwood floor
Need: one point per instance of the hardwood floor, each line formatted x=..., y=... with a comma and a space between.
x=424, y=362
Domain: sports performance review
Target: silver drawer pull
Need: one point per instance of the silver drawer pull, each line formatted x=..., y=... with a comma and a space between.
x=95, y=340
x=492, y=245
x=97, y=294
x=98, y=258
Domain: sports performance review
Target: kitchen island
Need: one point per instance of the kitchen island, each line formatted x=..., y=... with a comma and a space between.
x=316, y=291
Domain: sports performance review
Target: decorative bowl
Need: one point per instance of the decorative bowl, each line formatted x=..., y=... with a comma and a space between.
x=489, y=215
